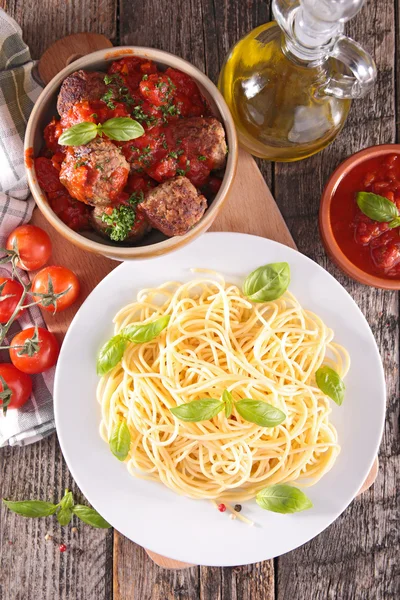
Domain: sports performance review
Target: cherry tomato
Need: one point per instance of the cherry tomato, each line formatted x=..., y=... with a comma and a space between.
x=52, y=281
x=19, y=384
x=33, y=245
x=13, y=289
x=39, y=352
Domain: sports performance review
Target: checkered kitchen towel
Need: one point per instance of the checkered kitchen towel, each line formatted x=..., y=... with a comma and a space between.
x=19, y=89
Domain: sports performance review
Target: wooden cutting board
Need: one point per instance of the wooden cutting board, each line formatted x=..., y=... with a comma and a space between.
x=250, y=208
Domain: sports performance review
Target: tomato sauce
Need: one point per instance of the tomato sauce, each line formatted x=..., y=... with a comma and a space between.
x=136, y=88
x=370, y=245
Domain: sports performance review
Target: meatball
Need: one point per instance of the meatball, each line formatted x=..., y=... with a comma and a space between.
x=95, y=173
x=174, y=206
x=201, y=136
x=119, y=222
x=81, y=85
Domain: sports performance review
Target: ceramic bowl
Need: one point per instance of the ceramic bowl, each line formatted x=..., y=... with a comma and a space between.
x=325, y=226
x=155, y=243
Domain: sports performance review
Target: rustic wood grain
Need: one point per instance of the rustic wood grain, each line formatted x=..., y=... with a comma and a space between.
x=45, y=21
x=356, y=557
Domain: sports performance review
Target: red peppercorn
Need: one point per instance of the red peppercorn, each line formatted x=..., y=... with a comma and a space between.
x=221, y=507
x=62, y=547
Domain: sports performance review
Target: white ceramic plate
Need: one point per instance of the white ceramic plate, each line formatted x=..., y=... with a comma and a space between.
x=191, y=530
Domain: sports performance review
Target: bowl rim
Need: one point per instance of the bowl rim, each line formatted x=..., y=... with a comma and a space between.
x=331, y=246
x=172, y=243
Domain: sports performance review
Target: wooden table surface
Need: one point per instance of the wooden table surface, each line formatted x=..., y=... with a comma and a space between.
x=355, y=558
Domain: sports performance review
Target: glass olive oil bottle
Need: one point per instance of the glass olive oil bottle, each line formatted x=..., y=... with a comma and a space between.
x=289, y=83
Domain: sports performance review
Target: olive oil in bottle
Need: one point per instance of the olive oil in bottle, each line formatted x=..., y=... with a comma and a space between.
x=289, y=83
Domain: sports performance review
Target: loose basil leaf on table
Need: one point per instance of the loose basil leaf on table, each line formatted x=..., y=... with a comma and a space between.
x=198, y=410
x=111, y=354
x=32, y=508
x=330, y=383
x=122, y=129
x=267, y=283
x=90, y=516
x=376, y=207
x=283, y=498
x=260, y=412
x=120, y=440
x=78, y=135
x=145, y=333
x=227, y=399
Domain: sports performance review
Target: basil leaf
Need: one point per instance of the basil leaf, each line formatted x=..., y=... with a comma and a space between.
x=90, y=516
x=394, y=223
x=267, y=283
x=376, y=207
x=64, y=516
x=67, y=501
x=32, y=508
x=79, y=134
x=283, y=498
x=330, y=383
x=145, y=333
x=198, y=410
x=122, y=129
x=120, y=440
x=259, y=412
x=110, y=354
x=227, y=399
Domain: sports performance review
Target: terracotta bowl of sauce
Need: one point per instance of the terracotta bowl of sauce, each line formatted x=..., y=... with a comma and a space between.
x=154, y=243
x=366, y=249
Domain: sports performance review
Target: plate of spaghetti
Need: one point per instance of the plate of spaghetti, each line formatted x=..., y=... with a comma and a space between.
x=222, y=405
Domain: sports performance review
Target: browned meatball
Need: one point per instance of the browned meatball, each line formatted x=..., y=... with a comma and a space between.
x=95, y=173
x=174, y=206
x=119, y=222
x=201, y=136
x=81, y=85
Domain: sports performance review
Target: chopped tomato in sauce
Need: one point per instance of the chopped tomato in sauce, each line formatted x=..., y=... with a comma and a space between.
x=369, y=244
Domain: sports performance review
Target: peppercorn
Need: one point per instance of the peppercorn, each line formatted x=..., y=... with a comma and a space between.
x=62, y=547
x=221, y=507
x=237, y=507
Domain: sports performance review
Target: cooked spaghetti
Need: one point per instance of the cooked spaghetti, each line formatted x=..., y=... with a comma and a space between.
x=218, y=340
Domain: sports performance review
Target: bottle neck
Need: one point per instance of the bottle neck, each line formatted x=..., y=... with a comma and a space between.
x=294, y=53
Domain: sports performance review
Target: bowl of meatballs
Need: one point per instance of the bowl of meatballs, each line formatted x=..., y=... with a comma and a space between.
x=130, y=152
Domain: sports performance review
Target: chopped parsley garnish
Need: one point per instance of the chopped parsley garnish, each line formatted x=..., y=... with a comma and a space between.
x=94, y=116
x=120, y=222
x=140, y=115
x=136, y=198
x=170, y=110
x=180, y=172
x=179, y=142
x=80, y=163
x=164, y=144
x=100, y=167
x=108, y=99
x=202, y=157
x=175, y=154
x=108, y=79
x=145, y=77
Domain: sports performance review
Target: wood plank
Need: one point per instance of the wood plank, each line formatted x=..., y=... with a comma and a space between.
x=356, y=557
x=45, y=21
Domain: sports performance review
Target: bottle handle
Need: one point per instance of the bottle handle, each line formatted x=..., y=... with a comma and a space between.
x=361, y=65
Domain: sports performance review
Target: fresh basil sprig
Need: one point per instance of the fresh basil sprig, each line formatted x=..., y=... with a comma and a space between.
x=283, y=498
x=378, y=208
x=267, y=283
x=198, y=410
x=120, y=129
x=330, y=383
x=255, y=411
x=120, y=440
x=112, y=352
x=66, y=508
